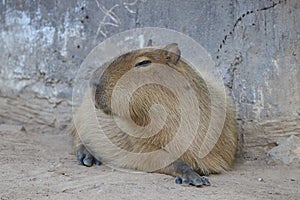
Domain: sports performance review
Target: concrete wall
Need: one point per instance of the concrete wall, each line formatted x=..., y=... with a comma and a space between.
x=254, y=43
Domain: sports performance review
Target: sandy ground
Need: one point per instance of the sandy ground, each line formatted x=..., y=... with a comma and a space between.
x=42, y=166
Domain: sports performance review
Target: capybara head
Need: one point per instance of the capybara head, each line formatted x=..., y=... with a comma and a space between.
x=140, y=60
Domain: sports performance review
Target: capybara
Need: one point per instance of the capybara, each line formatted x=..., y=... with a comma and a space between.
x=179, y=122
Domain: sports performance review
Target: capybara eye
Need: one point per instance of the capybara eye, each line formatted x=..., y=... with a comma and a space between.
x=168, y=58
x=143, y=63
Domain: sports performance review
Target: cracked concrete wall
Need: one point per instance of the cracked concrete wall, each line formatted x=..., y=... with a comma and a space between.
x=255, y=45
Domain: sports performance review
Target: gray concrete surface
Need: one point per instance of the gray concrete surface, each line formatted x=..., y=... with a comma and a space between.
x=254, y=43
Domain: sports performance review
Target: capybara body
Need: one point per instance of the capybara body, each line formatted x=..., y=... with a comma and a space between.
x=199, y=139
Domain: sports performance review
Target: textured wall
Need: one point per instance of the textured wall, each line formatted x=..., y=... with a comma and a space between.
x=254, y=43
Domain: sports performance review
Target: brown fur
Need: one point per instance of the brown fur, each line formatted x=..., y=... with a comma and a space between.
x=99, y=137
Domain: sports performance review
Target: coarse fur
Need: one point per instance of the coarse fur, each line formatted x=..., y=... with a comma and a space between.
x=96, y=131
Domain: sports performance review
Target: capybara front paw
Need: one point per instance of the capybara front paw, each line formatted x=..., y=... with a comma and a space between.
x=86, y=158
x=192, y=178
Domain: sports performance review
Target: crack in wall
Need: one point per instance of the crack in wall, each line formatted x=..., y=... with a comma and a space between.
x=242, y=16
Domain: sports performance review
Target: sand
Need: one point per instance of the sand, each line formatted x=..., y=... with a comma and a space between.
x=40, y=164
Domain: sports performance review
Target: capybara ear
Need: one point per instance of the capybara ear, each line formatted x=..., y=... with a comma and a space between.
x=172, y=53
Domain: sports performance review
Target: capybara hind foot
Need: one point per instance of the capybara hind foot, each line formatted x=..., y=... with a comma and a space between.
x=86, y=158
x=191, y=178
x=185, y=175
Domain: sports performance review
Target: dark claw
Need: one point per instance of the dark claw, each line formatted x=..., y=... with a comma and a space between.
x=186, y=182
x=97, y=162
x=86, y=159
x=178, y=180
x=201, y=181
x=206, y=181
x=198, y=182
x=80, y=157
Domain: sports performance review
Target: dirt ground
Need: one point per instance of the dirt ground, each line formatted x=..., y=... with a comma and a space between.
x=41, y=165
